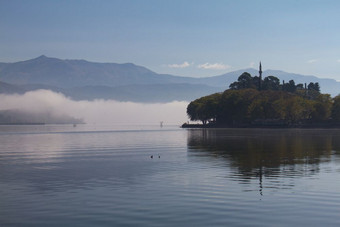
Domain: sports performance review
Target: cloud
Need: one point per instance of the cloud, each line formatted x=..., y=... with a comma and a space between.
x=312, y=61
x=184, y=65
x=215, y=66
x=338, y=60
x=97, y=111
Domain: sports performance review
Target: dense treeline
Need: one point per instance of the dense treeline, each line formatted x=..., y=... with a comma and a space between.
x=267, y=103
x=271, y=83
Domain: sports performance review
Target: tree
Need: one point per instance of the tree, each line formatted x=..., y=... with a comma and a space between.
x=290, y=86
x=256, y=82
x=294, y=109
x=245, y=80
x=299, y=86
x=243, y=103
x=261, y=106
x=271, y=83
x=322, y=107
x=234, y=106
x=204, y=109
x=336, y=108
x=314, y=86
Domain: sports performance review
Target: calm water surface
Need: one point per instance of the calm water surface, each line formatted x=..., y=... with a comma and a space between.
x=89, y=175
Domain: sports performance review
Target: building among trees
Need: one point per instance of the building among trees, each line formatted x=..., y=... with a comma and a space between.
x=253, y=101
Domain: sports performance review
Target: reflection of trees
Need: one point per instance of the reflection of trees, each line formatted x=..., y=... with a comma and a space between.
x=267, y=152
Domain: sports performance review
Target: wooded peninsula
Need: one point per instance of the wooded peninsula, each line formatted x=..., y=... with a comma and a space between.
x=253, y=102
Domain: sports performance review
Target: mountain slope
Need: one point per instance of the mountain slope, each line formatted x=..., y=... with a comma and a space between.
x=329, y=86
x=81, y=79
x=159, y=93
x=6, y=88
x=71, y=73
x=226, y=79
x=149, y=93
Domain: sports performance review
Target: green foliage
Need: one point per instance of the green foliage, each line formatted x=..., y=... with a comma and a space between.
x=244, y=81
x=314, y=86
x=271, y=83
x=336, y=108
x=290, y=86
x=245, y=103
x=234, y=106
x=322, y=107
x=239, y=107
x=204, y=109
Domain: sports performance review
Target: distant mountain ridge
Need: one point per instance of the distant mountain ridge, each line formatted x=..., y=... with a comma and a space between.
x=81, y=79
x=73, y=73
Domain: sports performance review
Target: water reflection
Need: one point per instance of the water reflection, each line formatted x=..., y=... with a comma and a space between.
x=57, y=158
x=270, y=153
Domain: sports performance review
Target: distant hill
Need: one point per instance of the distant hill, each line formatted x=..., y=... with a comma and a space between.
x=329, y=86
x=73, y=73
x=81, y=79
x=6, y=88
x=143, y=93
x=153, y=93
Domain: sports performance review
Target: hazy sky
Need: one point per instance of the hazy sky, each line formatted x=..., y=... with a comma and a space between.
x=182, y=37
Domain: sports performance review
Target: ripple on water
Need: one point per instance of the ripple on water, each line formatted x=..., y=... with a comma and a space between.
x=218, y=178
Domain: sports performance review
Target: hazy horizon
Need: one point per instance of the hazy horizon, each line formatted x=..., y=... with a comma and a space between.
x=254, y=66
x=185, y=38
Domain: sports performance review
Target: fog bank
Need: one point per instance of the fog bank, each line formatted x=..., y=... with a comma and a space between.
x=97, y=111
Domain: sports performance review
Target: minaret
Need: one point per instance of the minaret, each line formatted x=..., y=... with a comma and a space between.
x=260, y=76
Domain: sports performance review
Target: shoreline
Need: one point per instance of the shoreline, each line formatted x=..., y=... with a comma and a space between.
x=304, y=126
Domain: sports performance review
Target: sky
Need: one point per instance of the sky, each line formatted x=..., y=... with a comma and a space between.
x=193, y=38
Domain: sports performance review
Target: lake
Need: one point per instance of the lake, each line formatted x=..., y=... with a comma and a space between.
x=95, y=175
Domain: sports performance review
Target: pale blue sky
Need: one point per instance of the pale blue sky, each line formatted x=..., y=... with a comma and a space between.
x=182, y=37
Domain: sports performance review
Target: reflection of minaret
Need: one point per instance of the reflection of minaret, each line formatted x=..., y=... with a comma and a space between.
x=260, y=183
x=260, y=76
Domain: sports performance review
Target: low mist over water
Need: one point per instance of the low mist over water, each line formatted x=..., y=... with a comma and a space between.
x=97, y=111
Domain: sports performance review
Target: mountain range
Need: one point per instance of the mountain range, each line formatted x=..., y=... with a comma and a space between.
x=80, y=79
